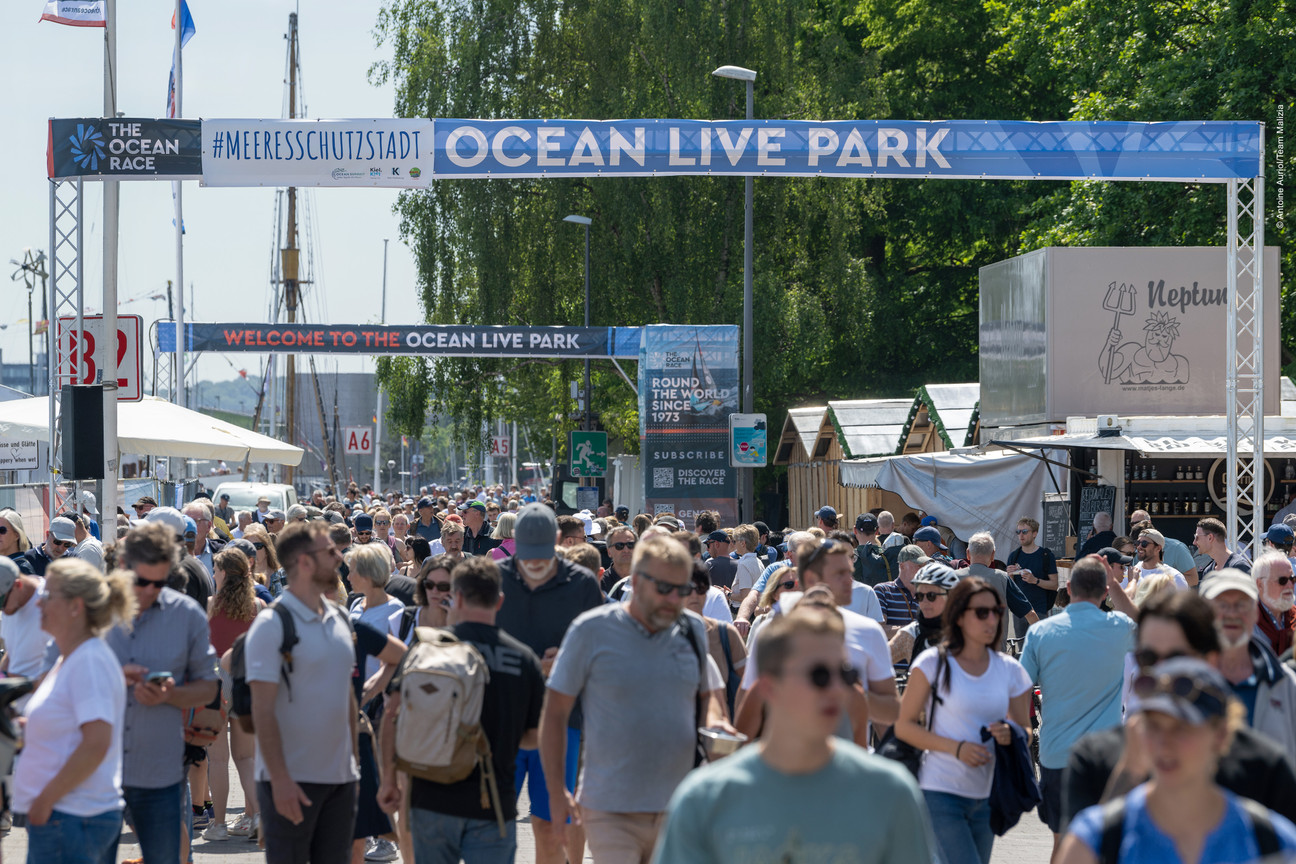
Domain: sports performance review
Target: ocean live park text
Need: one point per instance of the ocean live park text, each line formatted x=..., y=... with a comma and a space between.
x=390, y=339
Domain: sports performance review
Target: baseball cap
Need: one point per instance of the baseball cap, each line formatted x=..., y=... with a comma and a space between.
x=424, y=502
x=866, y=523
x=622, y=513
x=929, y=520
x=481, y=508
x=63, y=528
x=244, y=546
x=1228, y=579
x=1280, y=535
x=1114, y=556
x=826, y=513
x=277, y=515
x=168, y=516
x=668, y=520
x=1185, y=688
x=931, y=535
x=938, y=574
x=1154, y=535
x=145, y=499
x=912, y=553
x=89, y=504
x=588, y=520
x=761, y=528
x=363, y=522
x=8, y=577
x=191, y=527
x=535, y=532
x=717, y=537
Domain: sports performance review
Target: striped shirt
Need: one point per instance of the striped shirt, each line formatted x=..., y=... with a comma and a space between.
x=898, y=604
x=172, y=636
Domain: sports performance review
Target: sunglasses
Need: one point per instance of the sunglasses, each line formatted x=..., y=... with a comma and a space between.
x=821, y=676
x=1023, y=530
x=3, y=530
x=362, y=533
x=1181, y=687
x=984, y=612
x=1147, y=658
x=1143, y=544
x=382, y=524
x=664, y=588
x=1284, y=581
x=625, y=544
x=141, y=582
x=929, y=596
x=258, y=546
x=786, y=585
x=443, y=587
x=63, y=543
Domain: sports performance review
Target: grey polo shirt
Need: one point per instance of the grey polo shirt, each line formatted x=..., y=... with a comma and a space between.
x=638, y=689
x=169, y=636
x=315, y=713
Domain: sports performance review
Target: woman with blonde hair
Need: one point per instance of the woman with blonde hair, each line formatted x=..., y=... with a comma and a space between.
x=504, y=532
x=13, y=539
x=68, y=780
x=265, y=569
x=230, y=612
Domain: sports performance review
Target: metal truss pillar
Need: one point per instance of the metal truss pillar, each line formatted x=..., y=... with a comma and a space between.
x=1245, y=491
x=66, y=300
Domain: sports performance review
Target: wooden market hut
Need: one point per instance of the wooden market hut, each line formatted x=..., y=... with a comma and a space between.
x=943, y=417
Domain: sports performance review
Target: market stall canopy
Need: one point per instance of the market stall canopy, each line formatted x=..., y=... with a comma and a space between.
x=803, y=426
x=943, y=416
x=969, y=492
x=155, y=427
x=870, y=427
x=1186, y=445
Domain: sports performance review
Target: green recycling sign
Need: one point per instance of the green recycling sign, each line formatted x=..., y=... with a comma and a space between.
x=589, y=454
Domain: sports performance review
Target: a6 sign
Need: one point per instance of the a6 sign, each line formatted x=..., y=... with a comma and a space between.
x=83, y=352
x=358, y=440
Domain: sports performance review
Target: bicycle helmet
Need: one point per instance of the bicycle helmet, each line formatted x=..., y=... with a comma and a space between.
x=938, y=574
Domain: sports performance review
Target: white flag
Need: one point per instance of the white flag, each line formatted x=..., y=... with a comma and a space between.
x=77, y=13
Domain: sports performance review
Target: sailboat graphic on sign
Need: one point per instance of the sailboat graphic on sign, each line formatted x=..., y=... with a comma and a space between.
x=698, y=401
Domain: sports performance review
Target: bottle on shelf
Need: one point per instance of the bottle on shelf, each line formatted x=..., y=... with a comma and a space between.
x=1179, y=472
x=1198, y=474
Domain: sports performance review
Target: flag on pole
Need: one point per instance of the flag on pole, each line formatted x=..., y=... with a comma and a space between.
x=76, y=13
x=187, y=30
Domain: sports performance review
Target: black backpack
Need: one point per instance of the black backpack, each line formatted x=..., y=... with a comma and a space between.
x=240, y=692
x=871, y=565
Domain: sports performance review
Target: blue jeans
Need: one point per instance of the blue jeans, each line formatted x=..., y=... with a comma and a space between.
x=75, y=839
x=962, y=827
x=156, y=815
x=442, y=839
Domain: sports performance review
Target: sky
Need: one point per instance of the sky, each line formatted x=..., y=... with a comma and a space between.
x=234, y=67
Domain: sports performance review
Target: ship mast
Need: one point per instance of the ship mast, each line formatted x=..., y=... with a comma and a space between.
x=290, y=257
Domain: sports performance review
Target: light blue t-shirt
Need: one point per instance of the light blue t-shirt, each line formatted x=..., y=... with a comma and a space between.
x=1078, y=659
x=1176, y=554
x=1142, y=842
x=857, y=809
x=763, y=580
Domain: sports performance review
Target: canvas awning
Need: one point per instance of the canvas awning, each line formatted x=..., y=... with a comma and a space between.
x=969, y=492
x=155, y=427
x=1149, y=444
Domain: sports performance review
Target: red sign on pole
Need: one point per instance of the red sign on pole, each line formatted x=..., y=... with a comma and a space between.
x=83, y=349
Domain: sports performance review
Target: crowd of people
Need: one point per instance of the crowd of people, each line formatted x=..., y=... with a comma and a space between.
x=389, y=675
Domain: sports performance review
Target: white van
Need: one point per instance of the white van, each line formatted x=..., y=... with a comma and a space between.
x=243, y=496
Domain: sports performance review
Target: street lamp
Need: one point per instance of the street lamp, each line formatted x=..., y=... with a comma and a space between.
x=746, y=492
x=586, y=222
x=30, y=268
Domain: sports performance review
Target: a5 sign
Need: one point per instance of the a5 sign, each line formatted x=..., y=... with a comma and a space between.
x=83, y=353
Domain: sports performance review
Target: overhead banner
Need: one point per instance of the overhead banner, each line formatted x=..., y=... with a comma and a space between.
x=125, y=148
x=444, y=340
x=395, y=154
x=981, y=149
x=688, y=387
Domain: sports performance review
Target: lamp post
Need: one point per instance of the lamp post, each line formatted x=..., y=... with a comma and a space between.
x=746, y=492
x=585, y=221
x=30, y=268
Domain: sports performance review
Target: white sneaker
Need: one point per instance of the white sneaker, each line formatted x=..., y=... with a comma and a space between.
x=381, y=850
x=216, y=831
x=241, y=828
x=255, y=835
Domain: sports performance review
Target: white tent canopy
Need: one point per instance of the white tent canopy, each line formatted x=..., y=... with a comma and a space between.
x=155, y=427
x=969, y=492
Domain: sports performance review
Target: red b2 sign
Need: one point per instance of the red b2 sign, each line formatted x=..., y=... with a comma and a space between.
x=358, y=440
x=83, y=351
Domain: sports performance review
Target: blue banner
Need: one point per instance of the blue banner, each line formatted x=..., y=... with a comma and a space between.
x=1191, y=151
x=688, y=387
x=442, y=340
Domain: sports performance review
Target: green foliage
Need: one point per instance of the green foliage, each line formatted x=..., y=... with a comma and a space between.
x=862, y=288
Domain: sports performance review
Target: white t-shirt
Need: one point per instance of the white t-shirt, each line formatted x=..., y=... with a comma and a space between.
x=749, y=570
x=385, y=618
x=716, y=605
x=1179, y=580
x=85, y=686
x=864, y=602
x=969, y=703
x=866, y=645
x=23, y=637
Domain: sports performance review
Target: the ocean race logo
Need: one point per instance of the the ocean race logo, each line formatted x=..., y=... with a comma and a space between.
x=87, y=147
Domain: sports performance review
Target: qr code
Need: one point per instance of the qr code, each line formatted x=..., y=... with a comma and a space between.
x=663, y=478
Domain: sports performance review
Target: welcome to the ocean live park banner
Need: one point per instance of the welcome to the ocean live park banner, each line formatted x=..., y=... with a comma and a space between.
x=401, y=154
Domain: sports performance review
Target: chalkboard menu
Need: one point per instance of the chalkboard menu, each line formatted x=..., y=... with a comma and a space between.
x=1054, y=531
x=1095, y=500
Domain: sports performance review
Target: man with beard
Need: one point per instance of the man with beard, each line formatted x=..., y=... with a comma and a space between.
x=1266, y=687
x=543, y=594
x=641, y=665
x=306, y=770
x=1272, y=572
